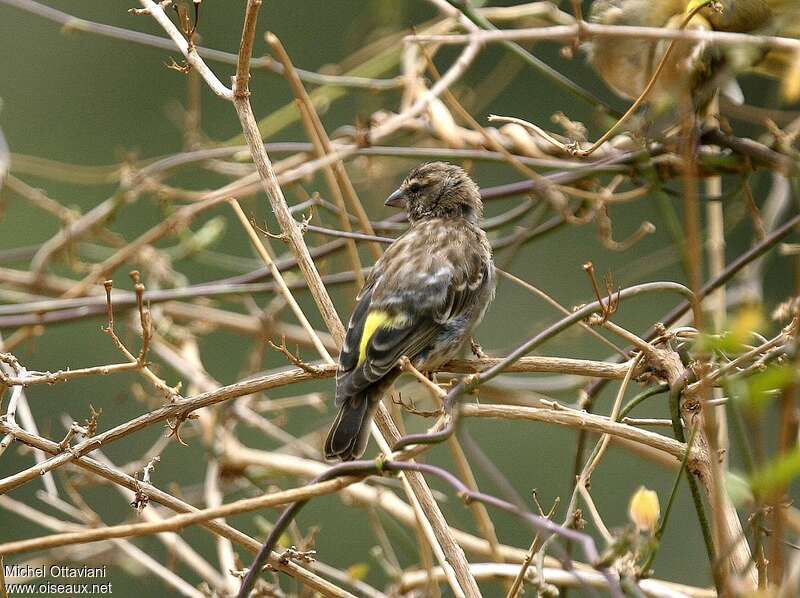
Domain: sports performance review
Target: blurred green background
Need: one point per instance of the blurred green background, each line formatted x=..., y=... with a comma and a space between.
x=79, y=98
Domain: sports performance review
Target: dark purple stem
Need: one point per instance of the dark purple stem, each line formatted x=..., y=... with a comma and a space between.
x=366, y=468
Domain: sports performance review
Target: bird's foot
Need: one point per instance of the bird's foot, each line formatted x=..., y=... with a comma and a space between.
x=476, y=348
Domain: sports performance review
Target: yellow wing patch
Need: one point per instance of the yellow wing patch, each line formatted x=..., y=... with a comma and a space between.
x=375, y=321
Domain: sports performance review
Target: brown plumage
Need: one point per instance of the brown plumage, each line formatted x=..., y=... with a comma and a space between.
x=699, y=69
x=421, y=300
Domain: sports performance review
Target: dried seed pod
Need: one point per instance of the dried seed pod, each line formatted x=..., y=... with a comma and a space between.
x=444, y=125
x=522, y=141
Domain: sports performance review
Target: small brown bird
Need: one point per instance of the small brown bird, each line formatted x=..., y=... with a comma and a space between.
x=422, y=299
x=700, y=69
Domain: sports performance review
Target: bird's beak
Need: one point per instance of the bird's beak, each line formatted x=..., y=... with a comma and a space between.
x=396, y=199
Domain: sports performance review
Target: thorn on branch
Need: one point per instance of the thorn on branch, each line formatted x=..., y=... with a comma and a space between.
x=411, y=408
x=91, y=422
x=302, y=227
x=144, y=317
x=295, y=359
x=74, y=430
x=303, y=224
x=151, y=465
x=109, y=329
x=141, y=498
x=279, y=237
x=181, y=68
x=543, y=588
x=13, y=363
x=143, y=12
x=428, y=379
x=549, y=514
x=301, y=556
x=175, y=426
x=184, y=24
x=611, y=305
x=109, y=284
x=555, y=405
x=146, y=323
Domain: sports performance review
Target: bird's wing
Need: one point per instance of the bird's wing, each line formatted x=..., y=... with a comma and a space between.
x=410, y=296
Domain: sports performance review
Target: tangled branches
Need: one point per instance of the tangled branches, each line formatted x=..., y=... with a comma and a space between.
x=727, y=374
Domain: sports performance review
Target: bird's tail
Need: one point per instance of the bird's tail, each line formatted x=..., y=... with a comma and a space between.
x=349, y=433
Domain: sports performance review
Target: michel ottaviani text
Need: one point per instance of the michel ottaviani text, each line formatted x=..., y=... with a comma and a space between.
x=25, y=570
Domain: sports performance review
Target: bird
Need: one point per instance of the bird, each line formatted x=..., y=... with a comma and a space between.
x=422, y=299
x=626, y=64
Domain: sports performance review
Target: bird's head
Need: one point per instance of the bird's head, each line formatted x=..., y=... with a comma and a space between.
x=438, y=190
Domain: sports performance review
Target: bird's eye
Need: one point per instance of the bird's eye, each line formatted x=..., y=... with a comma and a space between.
x=413, y=187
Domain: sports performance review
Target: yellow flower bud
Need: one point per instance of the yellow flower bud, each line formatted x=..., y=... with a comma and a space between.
x=749, y=319
x=358, y=571
x=644, y=510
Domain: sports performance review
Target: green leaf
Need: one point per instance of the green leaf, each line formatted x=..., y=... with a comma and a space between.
x=756, y=391
x=738, y=331
x=777, y=474
x=763, y=385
